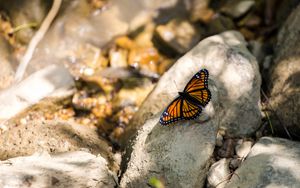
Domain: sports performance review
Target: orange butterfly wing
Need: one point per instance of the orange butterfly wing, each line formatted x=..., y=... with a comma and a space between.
x=181, y=108
x=197, y=87
x=190, y=111
x=172, y=113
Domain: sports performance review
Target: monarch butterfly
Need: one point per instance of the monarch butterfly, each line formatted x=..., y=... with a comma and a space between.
x=188, y=105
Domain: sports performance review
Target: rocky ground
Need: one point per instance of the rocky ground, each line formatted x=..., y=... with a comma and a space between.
x=86, y=113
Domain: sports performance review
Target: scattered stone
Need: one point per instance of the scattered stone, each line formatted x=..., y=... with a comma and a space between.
x=70, y=169
x=237, y=8
x=219, y=140
x=52, y=81
x=243, y=148
x=144, y=58
x=219, y=24
x=227, y=149
x=219, y=174
x=251, y=21
x=235, y=163
x=133, y=92
x=200, y=11
x=272, y=162
x=258, y=50
x=177, y=36
x=118, y=58
x=284, y=78
x=248, y=34
x=86, y=59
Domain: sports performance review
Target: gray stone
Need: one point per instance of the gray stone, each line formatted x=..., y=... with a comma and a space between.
x=219, y=173
x=52, y=80
x=180, y=154
x=220, y=24
x=52, y=137
x=243, y=148
x=78, y=25
x=235, y=163
x=272, y=162
x=177, y=36
x=219, y=140
x=284, y=78
x=237, y=8
x=71, y=169
x=232, y=69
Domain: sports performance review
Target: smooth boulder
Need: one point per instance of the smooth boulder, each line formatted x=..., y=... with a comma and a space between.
x=272, y=162
x=179, y=155
x=284, y=85
x=235, y=73
x=70, y=169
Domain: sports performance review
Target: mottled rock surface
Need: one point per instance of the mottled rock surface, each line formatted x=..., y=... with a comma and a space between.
x=53, y=81
x=237, y=8
x=272, y=162
x=218, y=173
x=71, y=169
x=243, y=148
x=53, y=137
x=177, y=155
x=285, y=77
x=182, y=153
x=233, y=70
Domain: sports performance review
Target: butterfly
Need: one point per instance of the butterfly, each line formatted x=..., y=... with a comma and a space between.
x=188, y=105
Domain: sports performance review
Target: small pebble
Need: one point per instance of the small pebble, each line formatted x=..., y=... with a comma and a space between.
x=242, y=149
x=218, y=173
x=235, y=163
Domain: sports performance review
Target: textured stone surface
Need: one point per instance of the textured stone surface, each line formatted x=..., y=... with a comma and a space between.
x=179, y=155
x=177, y=36
x=272, y=162
x=53, y=80
x=243, y=148
x=51, y=136
x=71, y=169
x=218, y=173
x=232, y=69
x=237, y=8
x=285, y=77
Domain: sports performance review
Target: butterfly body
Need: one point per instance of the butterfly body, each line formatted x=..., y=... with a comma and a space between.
x=188, y=105
x=186, y=96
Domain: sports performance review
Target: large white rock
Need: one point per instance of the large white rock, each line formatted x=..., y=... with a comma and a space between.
x=179, y=155
x=218, y=173
x=53, y=137
x=284, y=80
x=72, y=169
x=272, y=162
x=232, y=69
x=53, y=80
